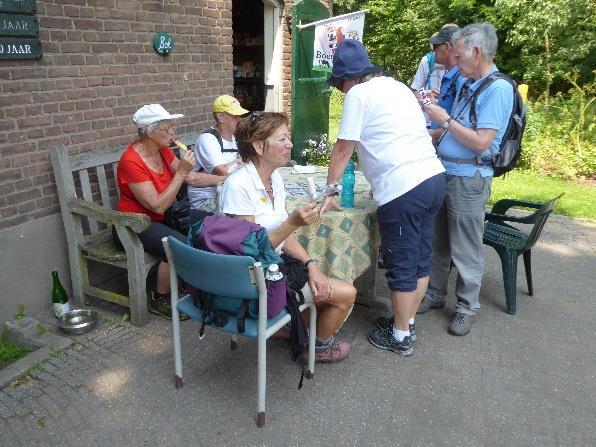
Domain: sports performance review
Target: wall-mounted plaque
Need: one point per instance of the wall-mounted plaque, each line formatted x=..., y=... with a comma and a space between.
x=17, y=25
x=23, y=6
x=20, y=49
x=163, y=43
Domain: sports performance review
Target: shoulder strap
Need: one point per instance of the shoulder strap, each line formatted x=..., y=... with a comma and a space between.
x=452, y=90
x=216, y=134
x=489, y=80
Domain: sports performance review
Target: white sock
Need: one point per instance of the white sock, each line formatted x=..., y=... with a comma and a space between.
x=399, y=335
x=411, y=321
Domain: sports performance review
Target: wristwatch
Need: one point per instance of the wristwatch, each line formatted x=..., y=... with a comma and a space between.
x=310, y=261
x=446, y=123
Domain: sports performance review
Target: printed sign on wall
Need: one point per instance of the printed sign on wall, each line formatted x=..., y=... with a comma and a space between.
x=22, y=6
x=17, y=22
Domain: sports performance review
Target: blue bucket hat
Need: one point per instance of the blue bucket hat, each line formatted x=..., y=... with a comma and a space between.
x=350, y=61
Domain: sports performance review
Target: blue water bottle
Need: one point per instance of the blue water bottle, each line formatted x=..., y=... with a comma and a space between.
x=347, y=186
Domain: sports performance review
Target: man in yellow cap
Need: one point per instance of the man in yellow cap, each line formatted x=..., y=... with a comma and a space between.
x=216, y=151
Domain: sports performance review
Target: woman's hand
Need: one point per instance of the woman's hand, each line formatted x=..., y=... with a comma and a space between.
x=321, y=285
x=186, y=163
x=304, y=215
x=329, y=202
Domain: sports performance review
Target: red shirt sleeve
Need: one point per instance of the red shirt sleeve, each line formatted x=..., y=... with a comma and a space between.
x=132, y=169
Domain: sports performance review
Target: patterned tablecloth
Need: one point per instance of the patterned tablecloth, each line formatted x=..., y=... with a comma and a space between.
x=345, y=241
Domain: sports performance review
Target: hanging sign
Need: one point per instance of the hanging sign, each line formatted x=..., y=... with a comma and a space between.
x=20, y=49
x=22, y=6
x=330, y=32
x=163, y=43
x=14, y=25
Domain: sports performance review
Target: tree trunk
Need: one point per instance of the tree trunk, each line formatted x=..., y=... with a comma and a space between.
x=548, y=74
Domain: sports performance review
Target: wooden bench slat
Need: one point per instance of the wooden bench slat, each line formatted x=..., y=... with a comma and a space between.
x=115, y=171
x=104, y=192
x=88, y=196
x=92, y=159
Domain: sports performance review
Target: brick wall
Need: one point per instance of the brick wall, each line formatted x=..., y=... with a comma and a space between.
x=98, y=67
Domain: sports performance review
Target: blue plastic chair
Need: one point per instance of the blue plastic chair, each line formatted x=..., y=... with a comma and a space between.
x=236, y=277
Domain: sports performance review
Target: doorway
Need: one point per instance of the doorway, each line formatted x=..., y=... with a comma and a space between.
x=257, y=53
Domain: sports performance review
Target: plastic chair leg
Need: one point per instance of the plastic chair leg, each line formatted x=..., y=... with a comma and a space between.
x=509, y=264
x=261, y=378
x=528, y=267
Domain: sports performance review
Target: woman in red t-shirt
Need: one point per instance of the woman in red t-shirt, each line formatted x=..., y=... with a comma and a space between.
x=149, y=177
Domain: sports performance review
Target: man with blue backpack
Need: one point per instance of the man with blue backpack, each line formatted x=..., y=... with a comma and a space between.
x=472, y=137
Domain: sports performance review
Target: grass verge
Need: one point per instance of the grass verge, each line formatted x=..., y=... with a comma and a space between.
x=10, y=352
x=578, y=201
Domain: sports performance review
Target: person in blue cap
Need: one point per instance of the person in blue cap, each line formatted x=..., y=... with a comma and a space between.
x=381, y=118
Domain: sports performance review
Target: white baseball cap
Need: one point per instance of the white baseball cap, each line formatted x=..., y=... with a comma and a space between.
x=151, y=113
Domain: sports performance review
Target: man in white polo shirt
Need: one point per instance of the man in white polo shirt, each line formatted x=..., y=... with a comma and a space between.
x=216, y=151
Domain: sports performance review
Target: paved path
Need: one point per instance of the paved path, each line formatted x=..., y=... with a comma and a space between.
x=523, y=380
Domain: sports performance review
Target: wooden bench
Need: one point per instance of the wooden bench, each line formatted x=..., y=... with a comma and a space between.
x=88, y=194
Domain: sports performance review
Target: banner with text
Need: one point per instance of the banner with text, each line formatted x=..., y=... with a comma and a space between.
x=330, y=33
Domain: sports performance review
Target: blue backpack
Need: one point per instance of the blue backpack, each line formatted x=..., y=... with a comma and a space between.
x=224, y=235
x=430, y=57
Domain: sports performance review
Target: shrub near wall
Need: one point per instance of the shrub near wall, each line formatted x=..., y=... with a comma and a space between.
x=98, y=67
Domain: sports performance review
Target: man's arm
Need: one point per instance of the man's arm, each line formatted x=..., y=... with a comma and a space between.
x=478, y=140
x=199, y=179
x=341, y=153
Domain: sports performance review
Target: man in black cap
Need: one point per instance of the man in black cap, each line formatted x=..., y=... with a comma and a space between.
x=431, y=70
x=452, y=80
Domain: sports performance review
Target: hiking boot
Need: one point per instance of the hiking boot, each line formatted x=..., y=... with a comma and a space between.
x=427, y=304
x=336, y=351
x=460, y=324
x=160, y=304
x=384, y=339
x=387, y=323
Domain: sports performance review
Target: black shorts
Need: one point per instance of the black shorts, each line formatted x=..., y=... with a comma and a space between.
x=151, y=237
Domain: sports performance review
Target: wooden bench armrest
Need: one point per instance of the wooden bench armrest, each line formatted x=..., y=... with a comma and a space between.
x=137, y=222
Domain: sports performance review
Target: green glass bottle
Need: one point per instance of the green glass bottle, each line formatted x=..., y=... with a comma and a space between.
x=59, y=297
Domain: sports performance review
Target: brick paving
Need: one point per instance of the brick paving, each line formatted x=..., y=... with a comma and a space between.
x=526, y=380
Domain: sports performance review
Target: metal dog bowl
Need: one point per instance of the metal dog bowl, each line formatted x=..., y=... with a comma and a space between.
x=78, y=321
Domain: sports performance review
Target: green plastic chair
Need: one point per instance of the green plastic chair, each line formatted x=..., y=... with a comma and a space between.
x=510, y=242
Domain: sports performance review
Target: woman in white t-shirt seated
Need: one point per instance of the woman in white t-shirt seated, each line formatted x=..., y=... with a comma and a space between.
x=255, y=192
x=216, y=153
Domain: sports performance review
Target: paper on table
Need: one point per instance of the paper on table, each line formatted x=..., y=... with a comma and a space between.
x=311, y=189
x=299, y=189
x=308, y=169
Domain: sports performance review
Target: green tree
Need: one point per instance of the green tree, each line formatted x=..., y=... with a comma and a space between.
x=542, y=42
x=552, y=39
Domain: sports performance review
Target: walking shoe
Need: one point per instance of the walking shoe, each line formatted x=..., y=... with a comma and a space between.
x=384, y=339
x=387, y=323
x=161, y=305
x=460, y=324
x=336, y=351
x=427, y=304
